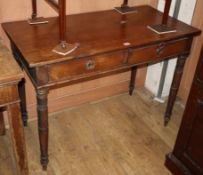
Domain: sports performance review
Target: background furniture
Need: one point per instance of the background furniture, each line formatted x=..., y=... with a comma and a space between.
x=187, y=156
x=110, y=43
x=10, y=75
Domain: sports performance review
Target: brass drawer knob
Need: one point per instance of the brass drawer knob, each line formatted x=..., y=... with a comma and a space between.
x=160, y=49
x=90, y=65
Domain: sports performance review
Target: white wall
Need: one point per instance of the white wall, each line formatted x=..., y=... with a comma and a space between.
x=154, y=71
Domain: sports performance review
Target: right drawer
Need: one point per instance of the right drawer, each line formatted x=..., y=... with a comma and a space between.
x=158, y=52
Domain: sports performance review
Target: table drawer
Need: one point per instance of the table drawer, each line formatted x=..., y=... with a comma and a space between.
x=83, y=66
x=157, y=52
x=8, y=94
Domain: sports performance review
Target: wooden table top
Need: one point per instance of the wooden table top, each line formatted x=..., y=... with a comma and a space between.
x=9, y=69
x=97, y=32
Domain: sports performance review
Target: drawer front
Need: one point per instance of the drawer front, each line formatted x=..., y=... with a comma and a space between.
x=157, y=52
x=8, y=94
x=85, y=66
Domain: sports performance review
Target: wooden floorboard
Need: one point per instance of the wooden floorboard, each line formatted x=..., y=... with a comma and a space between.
x=122, y=135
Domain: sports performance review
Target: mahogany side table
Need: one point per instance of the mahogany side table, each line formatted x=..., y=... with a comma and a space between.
x=110, y=43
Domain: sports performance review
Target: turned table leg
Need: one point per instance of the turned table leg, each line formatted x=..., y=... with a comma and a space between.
x=132, y=80
x=17, y=137
x=174, y=87
x=43, y=127
x=2, y=124
x=21, y=89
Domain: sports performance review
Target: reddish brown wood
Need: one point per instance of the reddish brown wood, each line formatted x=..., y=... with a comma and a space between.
x=43, y=127
x=62, y=21
x=166, y=12
x=79, y=68
x=106, y=47
x=109, y=35
x=187, y=155
x=34, y=9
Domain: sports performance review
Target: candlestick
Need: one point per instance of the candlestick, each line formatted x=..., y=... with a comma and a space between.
x=164, y=27
x=125, y=3
x=124, y=8
x=34, y=19
x=34, y=9
x=63, y=48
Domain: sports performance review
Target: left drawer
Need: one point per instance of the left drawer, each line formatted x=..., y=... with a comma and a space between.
x=87, y=66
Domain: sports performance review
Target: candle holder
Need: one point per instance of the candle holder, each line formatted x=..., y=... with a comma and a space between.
x=164, y=26
x=34, y=19
x=63, y=48
x=125, y=9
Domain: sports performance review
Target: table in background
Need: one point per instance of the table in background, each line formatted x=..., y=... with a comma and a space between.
x=110, y=43
x=10, y=76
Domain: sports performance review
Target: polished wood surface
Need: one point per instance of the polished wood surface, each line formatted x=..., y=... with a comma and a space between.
x=10, y=75
x=187, y=156
x=108, y=45
x=120, y=135
x=101, y=32
x=62, y=20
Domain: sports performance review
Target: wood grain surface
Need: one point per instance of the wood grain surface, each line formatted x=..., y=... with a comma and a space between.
x=9, y=71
